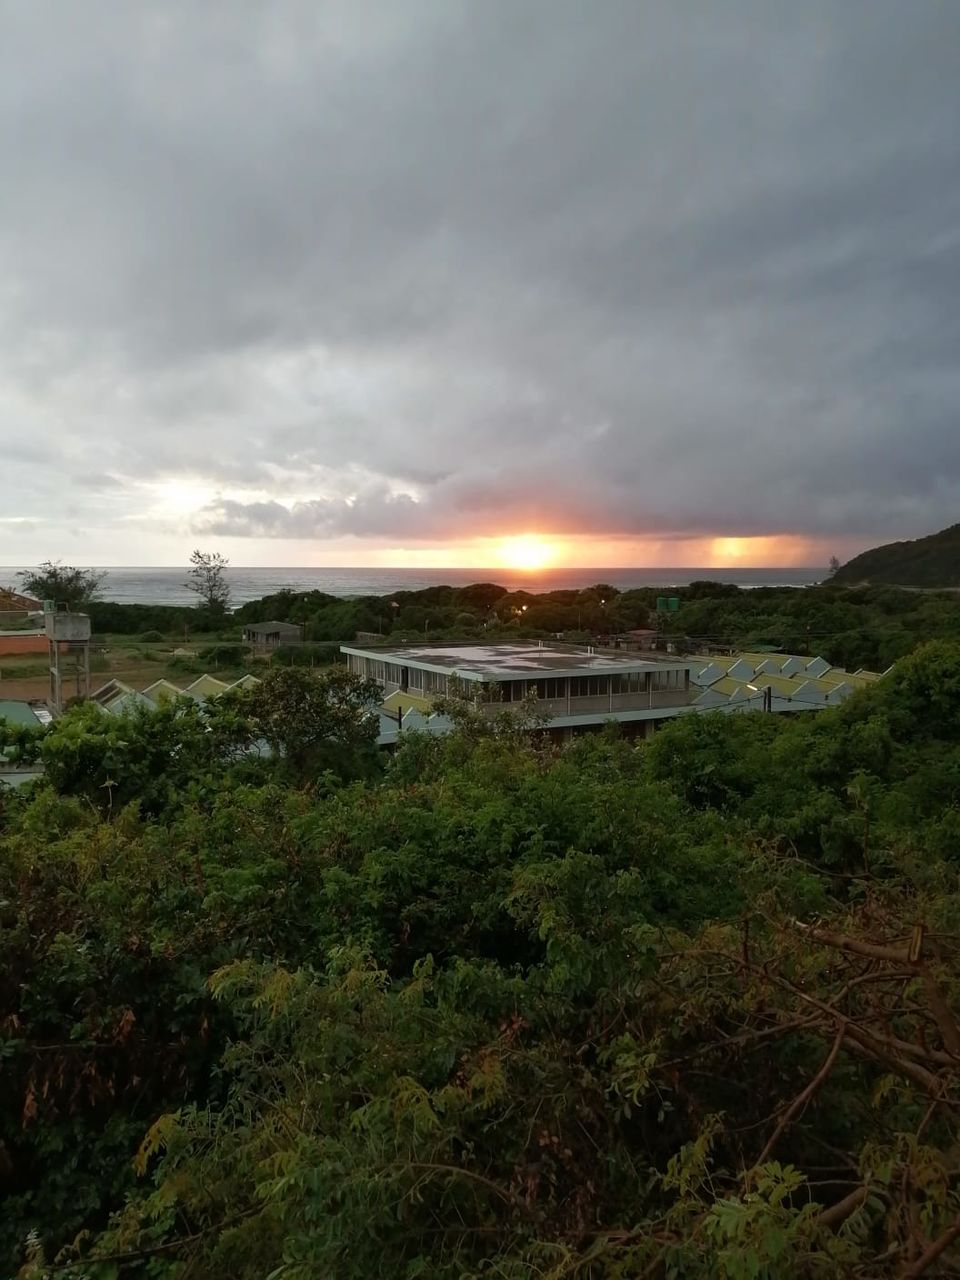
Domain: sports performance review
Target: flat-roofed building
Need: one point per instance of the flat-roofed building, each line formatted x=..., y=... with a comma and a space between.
x=577, y=687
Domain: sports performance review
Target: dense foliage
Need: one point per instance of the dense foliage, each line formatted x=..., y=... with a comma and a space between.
x=489, y=1008
x=851, y=627
x=933, y=561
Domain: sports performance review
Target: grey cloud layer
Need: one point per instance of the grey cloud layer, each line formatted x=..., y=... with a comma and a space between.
x=425, y=269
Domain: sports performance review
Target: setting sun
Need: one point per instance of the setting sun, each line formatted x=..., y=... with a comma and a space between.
x=526, y=552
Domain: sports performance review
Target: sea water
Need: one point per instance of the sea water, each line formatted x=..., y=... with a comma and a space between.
x=168, y=586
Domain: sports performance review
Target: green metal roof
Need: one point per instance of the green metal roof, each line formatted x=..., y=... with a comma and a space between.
x=19, y=713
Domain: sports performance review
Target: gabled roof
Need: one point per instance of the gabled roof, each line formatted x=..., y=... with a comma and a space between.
x=128, y=702
x=707, y=675
x=742, y=668
x=245, y=682
x=206, y=686
x=734, y=688
x=785, y=686
x=769, y=660
x=162, y=691
x=712, y=697
x=817, y=666
x=10, y=599
x=107, y=692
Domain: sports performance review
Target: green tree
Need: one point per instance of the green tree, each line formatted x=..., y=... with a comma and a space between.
x=62, y=583
x=207, y=578
x=317, y=722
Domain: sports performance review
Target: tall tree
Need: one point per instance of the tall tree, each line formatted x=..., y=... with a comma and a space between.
x=208, y=578
x=318, y=722
x=62, y=583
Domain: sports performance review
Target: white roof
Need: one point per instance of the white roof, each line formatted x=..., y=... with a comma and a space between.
x=515, y=659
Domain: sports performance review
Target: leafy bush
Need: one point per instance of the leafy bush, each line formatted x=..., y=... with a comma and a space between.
x=305, y=655
x=272, y=1005
x=225, y=655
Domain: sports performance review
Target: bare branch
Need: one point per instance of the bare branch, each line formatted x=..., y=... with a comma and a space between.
x=802, y=1098
x=932, y=1252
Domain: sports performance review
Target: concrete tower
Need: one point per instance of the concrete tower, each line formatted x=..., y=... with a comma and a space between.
x=67, y=633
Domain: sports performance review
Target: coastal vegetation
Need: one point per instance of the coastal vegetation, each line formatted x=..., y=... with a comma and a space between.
x=851, y=627
x=207, y=579
x=64, y=584
x=933, y=561
x=486, y=1007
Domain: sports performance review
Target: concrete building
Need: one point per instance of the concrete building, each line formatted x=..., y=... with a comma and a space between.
x=68, y=635
x=18, y=644
x=580, y=688
x=270, y=635
x=577, y=687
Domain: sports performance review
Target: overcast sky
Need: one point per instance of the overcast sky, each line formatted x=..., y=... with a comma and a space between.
x=345, y=283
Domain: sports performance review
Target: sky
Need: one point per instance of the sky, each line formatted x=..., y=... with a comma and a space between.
x=465, y=283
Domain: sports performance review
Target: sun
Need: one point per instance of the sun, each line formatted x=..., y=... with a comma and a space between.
x=525, y=552
x=178, y=498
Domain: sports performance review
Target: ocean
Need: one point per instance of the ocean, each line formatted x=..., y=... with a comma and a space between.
x=166, y=586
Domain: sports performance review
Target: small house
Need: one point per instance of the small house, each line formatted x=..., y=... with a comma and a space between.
x=270, y=635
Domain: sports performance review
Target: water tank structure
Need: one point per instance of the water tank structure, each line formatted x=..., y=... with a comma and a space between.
x=68, y=640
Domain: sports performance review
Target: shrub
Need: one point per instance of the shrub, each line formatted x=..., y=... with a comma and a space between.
x=225, y=655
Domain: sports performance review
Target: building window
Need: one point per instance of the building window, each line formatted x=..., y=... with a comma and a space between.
x=663, y=680
x=589, y=686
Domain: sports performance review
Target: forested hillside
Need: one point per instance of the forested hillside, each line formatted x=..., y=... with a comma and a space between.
x=933, y=561
x=485, y=1008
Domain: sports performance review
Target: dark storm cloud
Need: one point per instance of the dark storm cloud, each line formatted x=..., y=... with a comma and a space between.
x=430, y=269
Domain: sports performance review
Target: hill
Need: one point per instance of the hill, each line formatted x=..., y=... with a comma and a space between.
x=933, y=561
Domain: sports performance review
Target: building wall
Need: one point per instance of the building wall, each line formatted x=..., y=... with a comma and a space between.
x=12, y=644
x=557, y=695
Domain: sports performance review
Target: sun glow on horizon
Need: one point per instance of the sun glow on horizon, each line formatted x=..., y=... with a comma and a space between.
x=526, y=552
x=727, y=549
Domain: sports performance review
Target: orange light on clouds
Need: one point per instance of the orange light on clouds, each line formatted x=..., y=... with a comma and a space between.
x=526, y=552
x=774, y=549
x=727, y=549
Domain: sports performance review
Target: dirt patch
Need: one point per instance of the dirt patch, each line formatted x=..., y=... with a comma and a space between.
x=37, y=687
